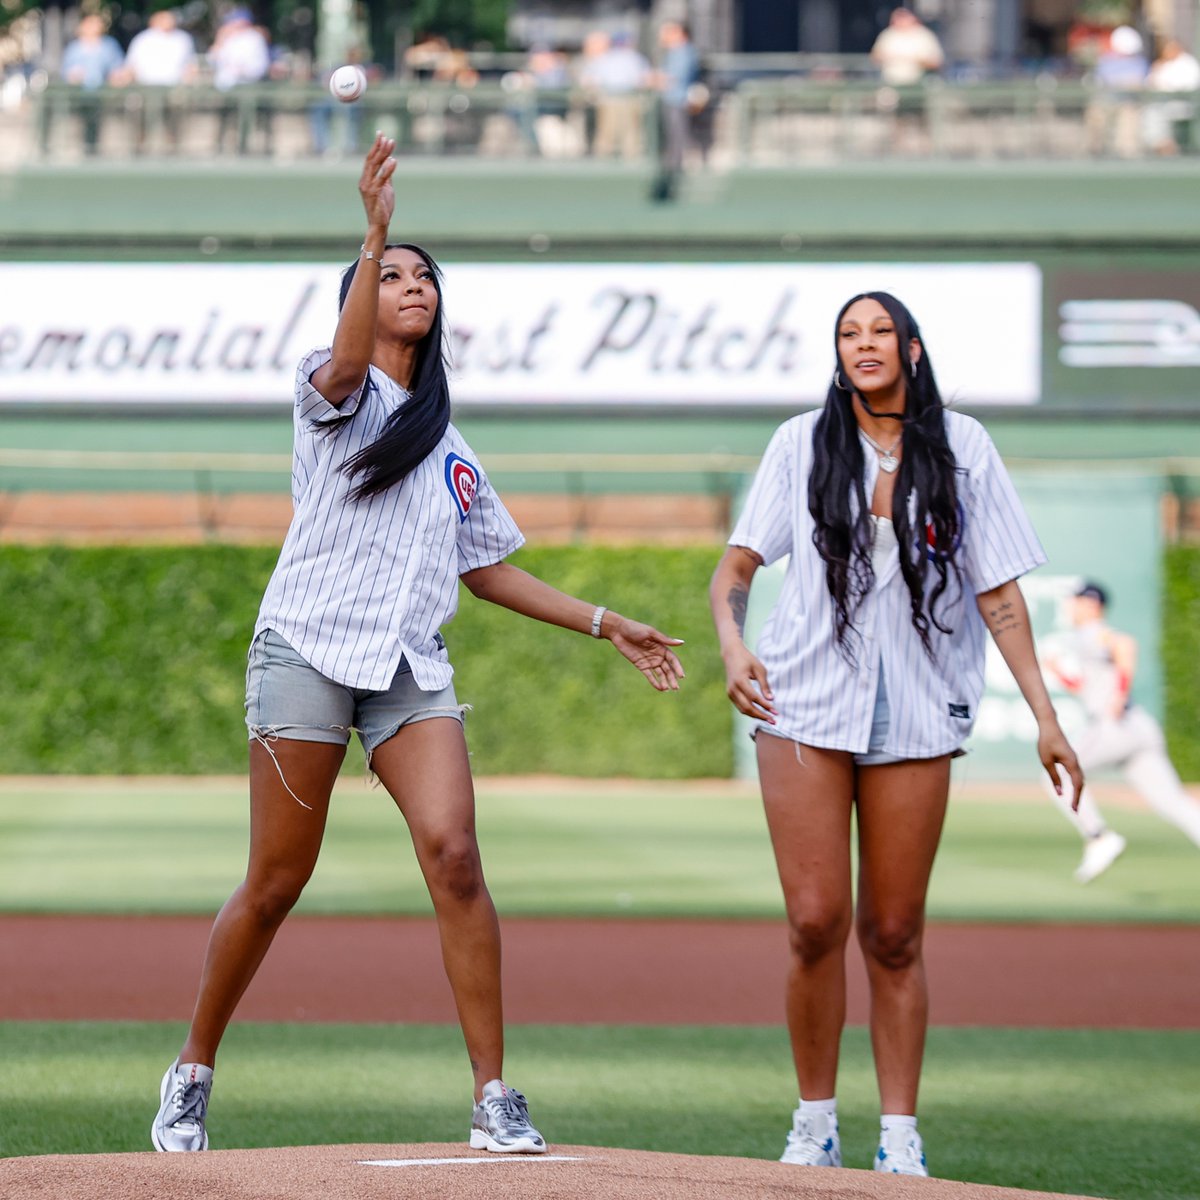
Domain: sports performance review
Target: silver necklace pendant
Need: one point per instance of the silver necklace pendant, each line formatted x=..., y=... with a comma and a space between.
x=888, y=462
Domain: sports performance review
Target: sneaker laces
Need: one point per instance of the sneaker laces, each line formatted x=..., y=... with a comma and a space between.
x=511, y=1108
x=188, y=1103
x=802, y=1143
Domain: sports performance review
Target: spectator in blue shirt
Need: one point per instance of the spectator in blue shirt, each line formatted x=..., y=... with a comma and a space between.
x=678, y=77
x=90, y=60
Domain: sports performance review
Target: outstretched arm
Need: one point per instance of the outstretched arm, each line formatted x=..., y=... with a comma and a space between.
x=729, y=594
x=648, y=650
x=1007, y=618
x=354, y=341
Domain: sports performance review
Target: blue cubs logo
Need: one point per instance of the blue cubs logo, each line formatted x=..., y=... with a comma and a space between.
x=931, y=538
x=462, y=479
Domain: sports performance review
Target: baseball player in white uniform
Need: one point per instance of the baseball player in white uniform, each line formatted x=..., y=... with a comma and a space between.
x=905, y=539
x=1097, y=663
x=392, y=509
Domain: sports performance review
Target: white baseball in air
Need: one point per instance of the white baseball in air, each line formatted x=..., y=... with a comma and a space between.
x=348, y=83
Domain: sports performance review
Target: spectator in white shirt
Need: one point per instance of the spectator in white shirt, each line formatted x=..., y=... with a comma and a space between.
x=239, y=56
x=1175, y=70
x=907, y=50
x=162, y=56
x=905, y=539
x=391, y=510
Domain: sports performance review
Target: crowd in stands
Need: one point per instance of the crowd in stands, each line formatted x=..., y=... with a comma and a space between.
x=633, y=97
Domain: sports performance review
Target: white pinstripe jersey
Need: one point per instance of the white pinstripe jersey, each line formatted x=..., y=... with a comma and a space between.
x=361, y=583
x=824, y=700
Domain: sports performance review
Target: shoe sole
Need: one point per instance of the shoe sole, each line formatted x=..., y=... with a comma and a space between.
x=162, y=1098
x=483, y=1141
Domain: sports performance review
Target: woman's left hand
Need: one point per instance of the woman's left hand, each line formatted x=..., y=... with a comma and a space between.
x=649, y=651
x=1053, y=749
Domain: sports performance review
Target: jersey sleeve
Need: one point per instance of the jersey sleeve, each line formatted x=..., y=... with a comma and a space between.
x=999, y=542
x=765, y=525
x=312, y=416
x=488, y=534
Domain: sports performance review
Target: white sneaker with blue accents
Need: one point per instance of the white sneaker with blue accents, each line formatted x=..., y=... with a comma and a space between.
x=501, y=1122
x=813, y=1141
x=900, y=1152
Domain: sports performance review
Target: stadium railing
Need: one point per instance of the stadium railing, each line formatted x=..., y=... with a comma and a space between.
x=759, y=118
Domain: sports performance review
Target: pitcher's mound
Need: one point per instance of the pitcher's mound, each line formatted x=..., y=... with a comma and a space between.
x=453, y=1172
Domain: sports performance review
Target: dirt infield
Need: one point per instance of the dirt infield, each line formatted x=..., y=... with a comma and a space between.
x=573, y=972
x=425, y=1171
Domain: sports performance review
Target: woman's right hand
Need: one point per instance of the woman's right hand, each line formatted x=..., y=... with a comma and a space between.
x=375, y=184
x=746, y=684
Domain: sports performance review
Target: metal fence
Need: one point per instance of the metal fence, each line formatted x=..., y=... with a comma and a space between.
x=762, y=120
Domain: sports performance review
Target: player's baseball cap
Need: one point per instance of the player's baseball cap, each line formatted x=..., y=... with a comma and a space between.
x=1093, y=591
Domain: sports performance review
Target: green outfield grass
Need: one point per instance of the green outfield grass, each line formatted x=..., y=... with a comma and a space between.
x=1082, y=1112
x=645, y=850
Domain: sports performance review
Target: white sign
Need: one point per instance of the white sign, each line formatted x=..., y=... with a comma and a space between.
x=554, y=334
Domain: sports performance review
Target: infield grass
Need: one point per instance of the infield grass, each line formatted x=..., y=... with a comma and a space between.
x=1095, y=1113
x=552, y=848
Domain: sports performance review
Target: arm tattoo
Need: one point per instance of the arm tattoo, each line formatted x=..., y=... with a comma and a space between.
x=1003, y=618
x=738, y=597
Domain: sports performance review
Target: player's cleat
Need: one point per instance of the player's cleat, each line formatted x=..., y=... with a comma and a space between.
x=501, y=1123
x=900, y=1152
x=1099, y=853
x=813, y=1141
x=179, y=1125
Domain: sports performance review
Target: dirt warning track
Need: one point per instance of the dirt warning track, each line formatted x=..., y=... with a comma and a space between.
x=584, y=972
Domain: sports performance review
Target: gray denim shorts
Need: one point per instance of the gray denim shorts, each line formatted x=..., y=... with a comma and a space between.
x=288, y=698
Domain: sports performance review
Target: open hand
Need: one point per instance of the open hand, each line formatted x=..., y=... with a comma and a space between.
x=375, y=183
x=650, y=651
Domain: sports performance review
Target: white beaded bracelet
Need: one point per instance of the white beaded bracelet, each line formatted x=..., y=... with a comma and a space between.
x=597, y=618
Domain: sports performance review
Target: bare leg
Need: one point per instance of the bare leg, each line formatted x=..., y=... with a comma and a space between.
x=425, y=768
x=285, y=838
x=901, y=808
x=807, y=795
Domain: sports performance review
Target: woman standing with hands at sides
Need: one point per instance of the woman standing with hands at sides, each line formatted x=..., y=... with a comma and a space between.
x=391, y=510
x=906, y=539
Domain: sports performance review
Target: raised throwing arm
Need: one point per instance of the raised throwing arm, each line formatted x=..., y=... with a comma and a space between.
x=643, y=645
x=354, y=341
x=1004, y=612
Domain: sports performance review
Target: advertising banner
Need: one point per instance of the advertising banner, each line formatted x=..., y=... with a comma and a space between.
x=549, y=334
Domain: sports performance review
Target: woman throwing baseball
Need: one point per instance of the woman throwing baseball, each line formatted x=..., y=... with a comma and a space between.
x=391, y=510
x=906, y=540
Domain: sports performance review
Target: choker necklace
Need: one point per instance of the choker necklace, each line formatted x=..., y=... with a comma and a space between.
x=887, y=455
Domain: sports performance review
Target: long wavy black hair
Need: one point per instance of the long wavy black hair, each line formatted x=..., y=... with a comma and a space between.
x=928, y=532
x=413, y=430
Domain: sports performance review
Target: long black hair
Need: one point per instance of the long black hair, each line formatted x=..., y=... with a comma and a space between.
x=413, y=430
x=929, y=532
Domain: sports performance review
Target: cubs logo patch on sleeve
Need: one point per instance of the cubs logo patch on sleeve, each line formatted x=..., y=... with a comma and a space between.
x=462, y=479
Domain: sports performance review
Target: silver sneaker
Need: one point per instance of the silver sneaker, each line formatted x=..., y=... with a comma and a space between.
x=179, y=1125
x=813, y=1141
x=900, y=1153
x=501, y=1123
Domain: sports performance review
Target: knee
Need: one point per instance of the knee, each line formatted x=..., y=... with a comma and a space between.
x=892, y=943
x=812, y=936
x=272, y=896
x=454, y=871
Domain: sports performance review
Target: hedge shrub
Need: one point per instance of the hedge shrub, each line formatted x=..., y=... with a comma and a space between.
x=1181, y=657
x=131, y=660
x=121, y=660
